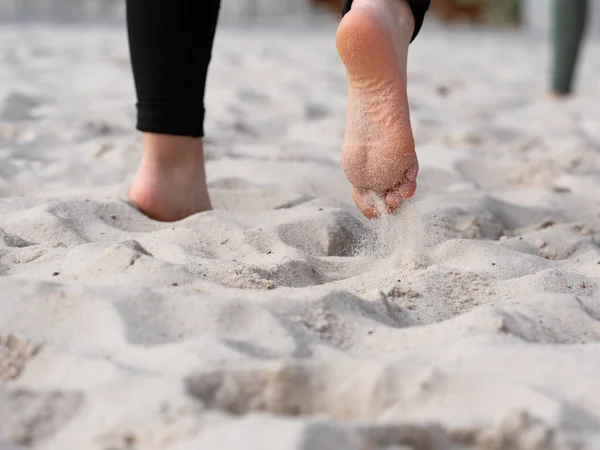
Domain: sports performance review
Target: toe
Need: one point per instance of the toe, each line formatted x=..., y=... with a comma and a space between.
x=373, y=205
x=395, y=197
x=363, y=200
x=366, y=200
x=403, y=191
x=393, y=200
x=410, y=174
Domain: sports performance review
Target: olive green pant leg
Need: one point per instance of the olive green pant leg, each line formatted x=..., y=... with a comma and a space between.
x=568, y=25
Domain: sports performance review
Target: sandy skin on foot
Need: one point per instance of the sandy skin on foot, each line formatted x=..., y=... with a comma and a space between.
x=379, y=156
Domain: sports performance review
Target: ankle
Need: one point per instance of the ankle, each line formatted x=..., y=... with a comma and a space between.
x=405, y=18
x=397, y=10
x=166, y=152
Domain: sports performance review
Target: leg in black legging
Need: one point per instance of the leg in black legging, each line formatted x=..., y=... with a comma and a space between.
x=170, y=44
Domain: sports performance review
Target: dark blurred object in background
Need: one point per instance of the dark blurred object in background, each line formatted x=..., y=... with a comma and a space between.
x=333, y=6
x=569, y=20
x=493, y=12
x=458, y=10
x=496, y=12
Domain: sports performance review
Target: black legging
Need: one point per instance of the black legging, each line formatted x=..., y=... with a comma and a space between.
x=171, y=44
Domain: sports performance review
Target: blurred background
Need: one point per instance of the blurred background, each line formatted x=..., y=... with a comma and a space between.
x=530, y=14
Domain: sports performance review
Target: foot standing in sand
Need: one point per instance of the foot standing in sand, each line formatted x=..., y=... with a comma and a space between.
x=171, y=44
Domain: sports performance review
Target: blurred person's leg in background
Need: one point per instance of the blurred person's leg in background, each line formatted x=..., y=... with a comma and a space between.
x=569, y=19
x=170, y=44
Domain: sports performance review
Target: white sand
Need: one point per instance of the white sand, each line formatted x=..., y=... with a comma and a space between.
x=282, y=320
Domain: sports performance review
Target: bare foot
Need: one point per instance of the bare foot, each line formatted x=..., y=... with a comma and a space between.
x=170, y=184
x=379, y=153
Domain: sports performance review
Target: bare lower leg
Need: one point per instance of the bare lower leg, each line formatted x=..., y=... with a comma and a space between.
x=170, y=183
x=379, y=157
